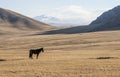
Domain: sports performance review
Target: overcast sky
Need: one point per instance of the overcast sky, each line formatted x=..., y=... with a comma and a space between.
x=76, y=10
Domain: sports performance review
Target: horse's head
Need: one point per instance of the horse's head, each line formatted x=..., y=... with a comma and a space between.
x=42, y=49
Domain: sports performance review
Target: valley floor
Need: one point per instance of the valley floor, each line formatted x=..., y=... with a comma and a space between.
x=73, y=55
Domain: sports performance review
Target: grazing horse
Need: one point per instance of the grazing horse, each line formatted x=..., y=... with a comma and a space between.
x=35, y=51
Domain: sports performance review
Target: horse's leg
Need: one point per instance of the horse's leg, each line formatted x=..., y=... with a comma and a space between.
x=37, y=56
x=31, y=56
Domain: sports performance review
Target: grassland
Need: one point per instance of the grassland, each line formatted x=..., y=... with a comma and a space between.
x=72, y=55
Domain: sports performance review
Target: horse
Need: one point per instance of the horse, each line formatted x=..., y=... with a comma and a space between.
x=35, y=51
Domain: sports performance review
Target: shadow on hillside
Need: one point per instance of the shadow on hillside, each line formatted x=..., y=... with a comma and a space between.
x=74, y=30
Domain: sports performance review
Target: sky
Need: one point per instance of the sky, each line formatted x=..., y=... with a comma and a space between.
x=79, y=11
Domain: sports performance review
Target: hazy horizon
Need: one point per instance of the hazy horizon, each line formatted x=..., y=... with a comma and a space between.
x=78, y=11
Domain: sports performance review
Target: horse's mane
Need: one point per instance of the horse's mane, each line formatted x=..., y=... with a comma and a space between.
x=37, y=49
x=40, y=49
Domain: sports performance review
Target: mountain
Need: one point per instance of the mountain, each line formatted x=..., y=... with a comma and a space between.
x=48, y=20
x=11, y=21
x=109, y=20
x=57, y=22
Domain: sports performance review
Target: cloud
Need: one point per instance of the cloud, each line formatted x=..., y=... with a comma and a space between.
x=73, y=14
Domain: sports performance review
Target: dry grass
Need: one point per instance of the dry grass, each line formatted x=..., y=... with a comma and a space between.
x=59, y=64
x=65, y=55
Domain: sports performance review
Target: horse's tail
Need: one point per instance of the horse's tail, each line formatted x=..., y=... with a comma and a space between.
x=30, y=54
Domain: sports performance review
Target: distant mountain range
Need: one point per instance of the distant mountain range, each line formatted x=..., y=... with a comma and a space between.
x=109, y=20
x=45, y=18
x=54, y=21
x=13, y=22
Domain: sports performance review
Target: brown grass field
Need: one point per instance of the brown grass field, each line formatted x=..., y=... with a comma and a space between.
x=66, y=55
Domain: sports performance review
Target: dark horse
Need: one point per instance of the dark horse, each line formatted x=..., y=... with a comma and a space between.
x=35, y=51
